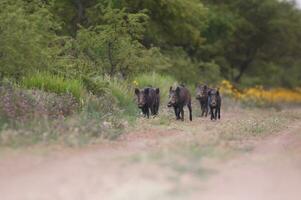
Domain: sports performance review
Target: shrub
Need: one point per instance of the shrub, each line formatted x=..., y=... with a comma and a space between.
x=14, y=104
x=17, y=105
x=29, y=117
x=56, y=84
x=259, y=96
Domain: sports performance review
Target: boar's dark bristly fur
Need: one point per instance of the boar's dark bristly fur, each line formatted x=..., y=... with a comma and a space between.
x=148, y=100
x=202, y=96
x=179, y=98
x=215, y=102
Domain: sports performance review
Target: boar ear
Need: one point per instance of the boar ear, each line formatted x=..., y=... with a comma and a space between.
x=178, y=90
x=217, y=91
x=157, y=91
x=170, y=89
x=137, y=91
x=146, y=90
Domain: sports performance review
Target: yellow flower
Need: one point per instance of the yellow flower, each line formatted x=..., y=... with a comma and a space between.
x=135, y=83
x=258, y=93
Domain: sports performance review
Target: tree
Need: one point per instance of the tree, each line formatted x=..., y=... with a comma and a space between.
x=114, y=45
x=27, y=37
x=263, y=34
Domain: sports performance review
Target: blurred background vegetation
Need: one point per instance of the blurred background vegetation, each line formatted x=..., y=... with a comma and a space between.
x=248, y=42
x=62, y=56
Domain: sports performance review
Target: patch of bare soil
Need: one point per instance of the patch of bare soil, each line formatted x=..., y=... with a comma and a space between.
x=104, y=171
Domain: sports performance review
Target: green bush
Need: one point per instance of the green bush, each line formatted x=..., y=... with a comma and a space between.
x=56, y=84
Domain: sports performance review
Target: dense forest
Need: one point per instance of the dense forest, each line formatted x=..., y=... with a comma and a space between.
x=248, y=42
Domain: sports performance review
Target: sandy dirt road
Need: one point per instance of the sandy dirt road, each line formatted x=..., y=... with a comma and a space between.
x=109, y=171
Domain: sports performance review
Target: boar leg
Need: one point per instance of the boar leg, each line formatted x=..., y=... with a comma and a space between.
x=176, y=112
x=211, y=112
x=153, y=109
x=216, y=111
x=190, y=111
x=147, y=112
x=202, y=108
x=206, y=108
x=181, y=109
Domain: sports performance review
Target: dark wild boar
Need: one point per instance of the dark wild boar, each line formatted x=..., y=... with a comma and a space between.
x=178, y=98
x=215, y=102
x=202, y=96
x=148, y=100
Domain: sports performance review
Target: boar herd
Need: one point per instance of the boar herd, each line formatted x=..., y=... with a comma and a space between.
x=148, y=100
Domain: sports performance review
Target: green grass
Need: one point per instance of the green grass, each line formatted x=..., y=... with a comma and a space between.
x=56, y=84
x=124, y=96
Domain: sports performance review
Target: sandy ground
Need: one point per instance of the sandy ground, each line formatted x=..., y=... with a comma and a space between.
x=108, y=171
x=271, y=172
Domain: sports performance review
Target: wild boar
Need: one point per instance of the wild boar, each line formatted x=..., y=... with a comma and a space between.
x=215, y=102
x=178, y=98
x=148, y=100
x=202, y=96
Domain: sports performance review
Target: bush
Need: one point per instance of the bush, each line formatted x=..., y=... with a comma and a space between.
x=17, y=105
x=14, y=105
x=29, y=116
x=56, y=84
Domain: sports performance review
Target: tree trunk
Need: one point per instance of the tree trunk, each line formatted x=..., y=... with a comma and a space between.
x=112, y=69
x=251, y=53
x=80, y=15
x=243, y=67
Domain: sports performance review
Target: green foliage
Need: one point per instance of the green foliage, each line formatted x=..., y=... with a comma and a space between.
x=96, y=85
x=184, y=69
x=56, y=84
x=119, y=90
x=210, y=73
x=110, y=44
x=241, y=40
x=27, y=37
x=256, y=44
x=172, y=23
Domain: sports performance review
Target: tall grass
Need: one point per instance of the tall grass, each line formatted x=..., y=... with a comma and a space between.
x=124, y=95
x=56, y=84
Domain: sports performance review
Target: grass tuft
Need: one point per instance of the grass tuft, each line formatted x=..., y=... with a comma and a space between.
x=56, y=84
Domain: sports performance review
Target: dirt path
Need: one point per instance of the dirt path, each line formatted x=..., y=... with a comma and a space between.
x=272, y=170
